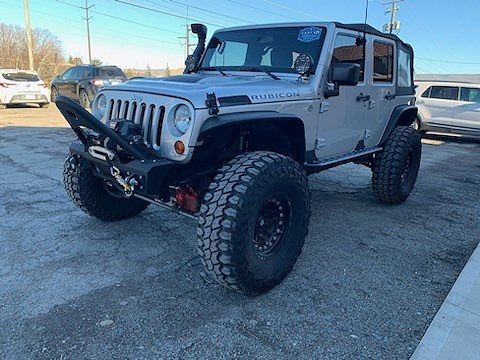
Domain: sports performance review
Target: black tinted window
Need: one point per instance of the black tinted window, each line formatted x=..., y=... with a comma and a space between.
x=382, y=62
x=444, y=92
x=347, y=51
x=68, y=74
x=87, y=72
x=109, y=72
x=470, y=94
x=76, y=73
x=426, y=93
x=20, y=76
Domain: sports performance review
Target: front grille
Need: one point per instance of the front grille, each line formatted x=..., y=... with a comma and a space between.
x=149, y=116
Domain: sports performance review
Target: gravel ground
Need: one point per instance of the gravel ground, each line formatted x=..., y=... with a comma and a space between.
x=369, y=281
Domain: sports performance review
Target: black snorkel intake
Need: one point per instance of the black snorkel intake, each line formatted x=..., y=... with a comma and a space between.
x=191, y=63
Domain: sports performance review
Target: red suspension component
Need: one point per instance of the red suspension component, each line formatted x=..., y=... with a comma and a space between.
x=187, y=199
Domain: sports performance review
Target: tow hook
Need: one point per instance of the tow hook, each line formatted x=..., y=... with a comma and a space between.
x=128, y=184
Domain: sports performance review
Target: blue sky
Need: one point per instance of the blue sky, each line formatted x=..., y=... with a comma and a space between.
x=443, y=33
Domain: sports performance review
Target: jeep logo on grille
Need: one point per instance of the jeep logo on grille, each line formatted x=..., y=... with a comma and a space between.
x=137, y=98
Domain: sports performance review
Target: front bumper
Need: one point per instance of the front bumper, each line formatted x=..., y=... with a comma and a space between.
x=152, y=175
x=131, y=164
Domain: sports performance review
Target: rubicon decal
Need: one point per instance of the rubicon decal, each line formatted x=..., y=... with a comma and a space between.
x=282, y=95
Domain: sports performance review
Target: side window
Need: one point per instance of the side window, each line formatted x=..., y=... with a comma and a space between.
x=347, y=51
x=470, y=94
x=87, y=72
x=232, y=53
x=67, y=75
x=404, y=74
x=426, y=93
x=76, y=73
x=444, y=92
x=382, y=62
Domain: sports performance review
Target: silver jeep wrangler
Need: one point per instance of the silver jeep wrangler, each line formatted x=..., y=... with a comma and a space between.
x=232, y=140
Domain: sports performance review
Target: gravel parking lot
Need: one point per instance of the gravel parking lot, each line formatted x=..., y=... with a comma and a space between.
x=369, y=281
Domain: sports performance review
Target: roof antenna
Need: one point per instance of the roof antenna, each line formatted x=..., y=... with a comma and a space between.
x=364, y=40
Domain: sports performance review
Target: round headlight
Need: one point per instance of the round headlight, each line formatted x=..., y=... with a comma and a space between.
x=182, y=118
x=101, y=104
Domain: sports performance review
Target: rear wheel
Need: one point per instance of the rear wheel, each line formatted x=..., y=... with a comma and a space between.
x=395, y=168
x=44, y=105
x=84, y=100
x=253, y=221
x=95, y=197
x=3, y=106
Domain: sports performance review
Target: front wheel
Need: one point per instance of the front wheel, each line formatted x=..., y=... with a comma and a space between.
x=54, y=94
x=253, y=221
x=94, y=196
x=395, y=168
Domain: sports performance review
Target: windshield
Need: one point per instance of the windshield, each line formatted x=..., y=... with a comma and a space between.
x=110, y=72
x=271, y=49
x=21, y=76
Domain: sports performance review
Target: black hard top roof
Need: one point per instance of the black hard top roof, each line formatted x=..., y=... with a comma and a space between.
x=369, y=30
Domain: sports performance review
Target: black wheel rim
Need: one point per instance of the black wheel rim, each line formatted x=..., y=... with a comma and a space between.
x=272, y=225
x=407, y=168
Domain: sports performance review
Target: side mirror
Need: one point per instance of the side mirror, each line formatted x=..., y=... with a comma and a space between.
x=343, y=74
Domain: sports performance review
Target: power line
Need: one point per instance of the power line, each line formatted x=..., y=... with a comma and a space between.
x=203, y=10
x=291, y=9
x=261, y=10
x=449, y=61
x=160, y=11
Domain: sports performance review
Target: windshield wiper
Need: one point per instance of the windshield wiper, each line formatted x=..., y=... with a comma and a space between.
x=213, y=68
x=259, y=69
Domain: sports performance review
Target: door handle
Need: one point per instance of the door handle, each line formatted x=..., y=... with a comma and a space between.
x=362, y=97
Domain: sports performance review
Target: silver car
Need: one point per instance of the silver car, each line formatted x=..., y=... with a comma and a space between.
x=448, y=107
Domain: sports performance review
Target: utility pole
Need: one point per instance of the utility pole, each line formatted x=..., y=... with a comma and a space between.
x=87, y=19
x=28, y=30
x=394, y=24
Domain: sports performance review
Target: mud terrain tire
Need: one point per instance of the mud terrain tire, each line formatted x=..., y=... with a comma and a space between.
x=253, y=198
x=90, y=195
x=395, y=168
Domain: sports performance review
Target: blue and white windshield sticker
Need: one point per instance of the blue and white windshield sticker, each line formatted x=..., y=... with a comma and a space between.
x=309, y=34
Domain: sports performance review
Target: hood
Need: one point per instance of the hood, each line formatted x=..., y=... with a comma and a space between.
x=195, y=87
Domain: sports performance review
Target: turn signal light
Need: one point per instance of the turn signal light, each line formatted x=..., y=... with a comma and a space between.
x=179, y=147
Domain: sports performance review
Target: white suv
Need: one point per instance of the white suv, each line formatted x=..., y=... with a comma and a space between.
x=22, y=87
x=448, y=107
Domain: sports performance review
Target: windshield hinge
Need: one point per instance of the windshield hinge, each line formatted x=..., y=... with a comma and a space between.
x=211, y=103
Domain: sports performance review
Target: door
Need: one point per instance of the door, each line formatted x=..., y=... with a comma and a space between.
x=72, y=83
x=380, y=76
x=62, y=84
x=466, y=114
x=439, y=102
x=342, y=118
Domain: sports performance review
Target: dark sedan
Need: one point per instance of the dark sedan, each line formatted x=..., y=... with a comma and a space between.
x=82, y=82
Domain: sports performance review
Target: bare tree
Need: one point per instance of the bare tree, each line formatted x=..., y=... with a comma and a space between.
x=47, y=51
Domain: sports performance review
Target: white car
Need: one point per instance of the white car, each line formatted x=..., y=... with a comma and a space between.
x=22, y=87
x=448, y=107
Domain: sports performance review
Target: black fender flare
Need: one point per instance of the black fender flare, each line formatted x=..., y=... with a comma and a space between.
x=254, y=118
x=218, y=122
x=402, y=115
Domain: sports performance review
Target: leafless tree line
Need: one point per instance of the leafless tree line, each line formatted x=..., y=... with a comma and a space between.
x=47, y=51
